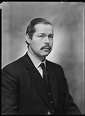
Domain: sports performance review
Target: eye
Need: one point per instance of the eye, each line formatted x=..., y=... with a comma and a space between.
x=41, y=36
x=50, y=36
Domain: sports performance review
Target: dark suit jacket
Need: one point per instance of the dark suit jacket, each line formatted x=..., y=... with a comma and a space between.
x=23, y=92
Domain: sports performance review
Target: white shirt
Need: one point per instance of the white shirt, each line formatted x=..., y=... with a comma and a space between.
x=37, y=63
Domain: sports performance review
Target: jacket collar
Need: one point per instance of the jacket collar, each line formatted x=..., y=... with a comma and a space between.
x=35, y=77
x=37, y=80
x=35, y=61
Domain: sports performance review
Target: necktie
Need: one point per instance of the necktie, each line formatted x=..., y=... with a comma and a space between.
x=44, y=74
x=47, y=87
x=44, y=69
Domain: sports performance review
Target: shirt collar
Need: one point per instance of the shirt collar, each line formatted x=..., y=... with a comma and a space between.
x=35, y=61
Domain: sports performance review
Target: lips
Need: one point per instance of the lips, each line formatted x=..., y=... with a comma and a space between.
x=46, y=47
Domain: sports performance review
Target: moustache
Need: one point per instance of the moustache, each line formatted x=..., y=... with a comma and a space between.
x=46, y=47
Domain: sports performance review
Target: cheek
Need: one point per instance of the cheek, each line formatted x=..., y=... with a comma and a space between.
x=51, y=42
x=36, y=44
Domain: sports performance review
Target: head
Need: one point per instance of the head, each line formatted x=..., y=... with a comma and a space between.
x=39, y=37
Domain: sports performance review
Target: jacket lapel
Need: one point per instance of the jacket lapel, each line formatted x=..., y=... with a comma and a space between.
x=35, y=77
x=53, y=81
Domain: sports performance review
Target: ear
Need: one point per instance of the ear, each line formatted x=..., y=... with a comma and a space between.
x=28, y=39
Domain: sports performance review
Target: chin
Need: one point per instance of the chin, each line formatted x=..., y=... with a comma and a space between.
x=45, y=54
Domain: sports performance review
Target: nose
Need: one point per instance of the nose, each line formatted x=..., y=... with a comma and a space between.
x=47, y=39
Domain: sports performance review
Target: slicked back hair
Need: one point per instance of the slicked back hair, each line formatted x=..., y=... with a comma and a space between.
x=30, y=28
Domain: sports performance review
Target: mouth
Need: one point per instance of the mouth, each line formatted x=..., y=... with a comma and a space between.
x=46, y=48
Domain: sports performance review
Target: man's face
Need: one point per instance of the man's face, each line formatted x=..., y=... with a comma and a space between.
x=42, y=40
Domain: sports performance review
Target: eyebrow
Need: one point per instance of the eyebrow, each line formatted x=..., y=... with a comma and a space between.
x=44, y=34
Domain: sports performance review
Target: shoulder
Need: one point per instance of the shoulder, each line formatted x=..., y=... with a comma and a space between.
x=14, y=65
x=56, y=70
x=54, y=65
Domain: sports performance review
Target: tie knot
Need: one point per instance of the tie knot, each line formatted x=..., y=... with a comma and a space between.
x=42, y=66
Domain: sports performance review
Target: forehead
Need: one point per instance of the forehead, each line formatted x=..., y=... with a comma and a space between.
x=43, y=28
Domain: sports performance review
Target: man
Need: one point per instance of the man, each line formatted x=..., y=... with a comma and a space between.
x=33, y=85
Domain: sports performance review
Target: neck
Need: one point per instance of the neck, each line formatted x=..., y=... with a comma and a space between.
x=36, y=56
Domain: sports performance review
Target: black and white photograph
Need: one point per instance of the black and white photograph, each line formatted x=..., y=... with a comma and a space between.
x=42, y=58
